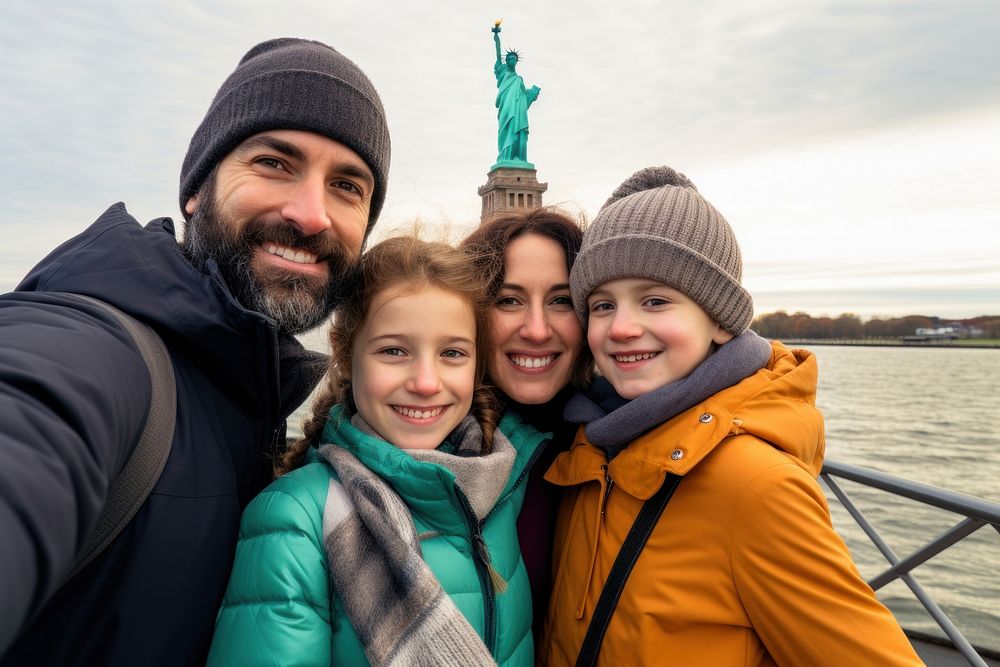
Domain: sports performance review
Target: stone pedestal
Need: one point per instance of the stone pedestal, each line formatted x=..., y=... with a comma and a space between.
x=510, y=190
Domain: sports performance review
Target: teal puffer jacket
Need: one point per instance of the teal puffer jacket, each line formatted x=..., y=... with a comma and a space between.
x=280, y=609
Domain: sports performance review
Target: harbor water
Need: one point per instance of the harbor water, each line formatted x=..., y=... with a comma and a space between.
x=929, y=415
x=932, y=416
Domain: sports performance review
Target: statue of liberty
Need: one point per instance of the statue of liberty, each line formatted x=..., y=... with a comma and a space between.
x=512, y=103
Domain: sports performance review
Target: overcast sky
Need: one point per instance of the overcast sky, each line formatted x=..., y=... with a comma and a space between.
x=853, y=146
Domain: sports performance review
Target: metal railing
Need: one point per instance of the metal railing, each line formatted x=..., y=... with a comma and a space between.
x=977, y=513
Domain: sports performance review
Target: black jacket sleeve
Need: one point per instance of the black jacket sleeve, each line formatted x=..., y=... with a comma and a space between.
x=74, y=395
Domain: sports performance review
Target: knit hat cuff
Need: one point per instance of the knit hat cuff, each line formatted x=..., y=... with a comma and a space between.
x=289, y=99
x=668, y=262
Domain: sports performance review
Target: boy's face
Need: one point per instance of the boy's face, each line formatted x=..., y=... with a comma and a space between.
x=645, y=335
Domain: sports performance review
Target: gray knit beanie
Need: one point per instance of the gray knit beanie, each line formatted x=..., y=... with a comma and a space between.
x=292, y=84
x=657, y=226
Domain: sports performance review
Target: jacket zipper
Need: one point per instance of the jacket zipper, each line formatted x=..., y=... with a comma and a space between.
x=608, y=483
x=274, y=409
x=481, y=559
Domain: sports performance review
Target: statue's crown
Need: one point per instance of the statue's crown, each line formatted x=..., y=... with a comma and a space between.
x=515, y=53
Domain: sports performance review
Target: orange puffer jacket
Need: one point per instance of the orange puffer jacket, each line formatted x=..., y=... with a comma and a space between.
x=744, y=567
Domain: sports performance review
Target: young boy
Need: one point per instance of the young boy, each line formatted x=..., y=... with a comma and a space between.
x=743, y=566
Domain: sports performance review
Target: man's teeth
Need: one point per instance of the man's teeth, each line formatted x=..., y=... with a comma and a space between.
x=414, y=413
x=292, y=255
x=532, y=362
x=628, y=358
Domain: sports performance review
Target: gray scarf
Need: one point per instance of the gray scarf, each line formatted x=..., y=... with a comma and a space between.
x=613, y=422
x=391, y=597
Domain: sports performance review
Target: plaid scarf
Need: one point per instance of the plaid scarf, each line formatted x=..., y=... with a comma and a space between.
x=391, y=597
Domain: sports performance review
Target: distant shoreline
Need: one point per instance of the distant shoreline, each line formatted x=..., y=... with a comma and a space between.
x=988, y=344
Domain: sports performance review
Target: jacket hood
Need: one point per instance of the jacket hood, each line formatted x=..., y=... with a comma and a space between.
x=777, y=405
x=142, y=271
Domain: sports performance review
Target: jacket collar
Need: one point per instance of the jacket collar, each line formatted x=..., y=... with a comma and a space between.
x=776, y=404
x=676, y=446
x=428, y=488
x=142, y=271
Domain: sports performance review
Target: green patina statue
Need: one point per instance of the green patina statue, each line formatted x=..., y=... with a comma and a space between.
x=512, y=103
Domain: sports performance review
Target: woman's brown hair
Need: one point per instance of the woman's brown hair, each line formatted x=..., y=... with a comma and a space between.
x=488, y=245
x=409, y=261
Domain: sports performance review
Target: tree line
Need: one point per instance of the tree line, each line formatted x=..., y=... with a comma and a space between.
x=801, y=325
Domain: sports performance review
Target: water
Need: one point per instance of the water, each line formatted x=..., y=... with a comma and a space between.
x=933, y=416
x=930, y=415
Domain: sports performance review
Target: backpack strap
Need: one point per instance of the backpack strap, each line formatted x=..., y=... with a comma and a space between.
x=139, y=475
x=628, y=554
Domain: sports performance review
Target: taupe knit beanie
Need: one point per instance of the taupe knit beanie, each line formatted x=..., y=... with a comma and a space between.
x=292, y=84
x=657, y=226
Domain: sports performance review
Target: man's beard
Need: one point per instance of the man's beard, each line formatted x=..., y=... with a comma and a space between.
x=296, y=301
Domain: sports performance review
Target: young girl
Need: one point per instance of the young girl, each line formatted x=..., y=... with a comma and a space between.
x=395, y=542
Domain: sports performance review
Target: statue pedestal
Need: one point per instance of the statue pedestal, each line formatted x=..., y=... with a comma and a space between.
x=510, y=190
x=512, y=164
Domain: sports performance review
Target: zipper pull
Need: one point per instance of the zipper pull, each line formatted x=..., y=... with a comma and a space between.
x=608, y=483
x=499, y=585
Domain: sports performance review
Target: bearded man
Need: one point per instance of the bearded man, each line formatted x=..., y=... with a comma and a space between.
x=281, y=184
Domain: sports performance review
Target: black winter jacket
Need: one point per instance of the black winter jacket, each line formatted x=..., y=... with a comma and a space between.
x=74, y=394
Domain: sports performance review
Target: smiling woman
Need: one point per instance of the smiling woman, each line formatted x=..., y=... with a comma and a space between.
x=537, y=341
x=537, y=352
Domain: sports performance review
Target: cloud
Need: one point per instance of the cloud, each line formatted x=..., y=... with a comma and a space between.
x=823, y=130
